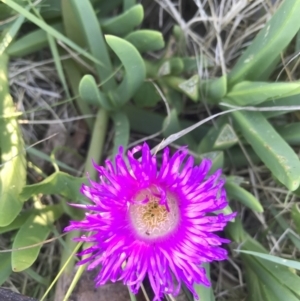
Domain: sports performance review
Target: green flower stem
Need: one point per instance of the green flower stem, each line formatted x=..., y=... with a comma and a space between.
x=97, y=143
x=95, y=153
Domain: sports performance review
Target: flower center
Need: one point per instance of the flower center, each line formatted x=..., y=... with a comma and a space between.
x=151, y=219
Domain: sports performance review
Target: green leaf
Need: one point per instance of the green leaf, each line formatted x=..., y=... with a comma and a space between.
x=90, y=93
x=269, y=274
x=214, y=89
x=274, y=288
x=121, y=137
x=35, y=230
x=155, y=121
x=35, y=152
x=285, y=226
x=164, y=69
x=253, y=93
x=217, y=158
x=5, y=267
x=31, y=42
x=51, y=9
x=94, y=40
x=146, y=40
x=135, y=71
x=97, y=143
x=11, y=33
x=74, y=77
x=176, y=65
x=220, y=138
x=58, y=183
x=235, y=157
x=203, y=292
x=191, y=64
x=146, y=95
x=171, y=125
x=286, y=262
x=137, y=119
x=58, y=64
x=278, y=156
x=281, y=102
x=37, y=277
x=236, y=192
x=56, y=34
x=13, y=164
x=17, y=222
x=268, y=44
x=290, y=133
x=189, y=87
x=297, y=44
x=124, y=23
x=253, y=286
x=296, y=216
x=128, y=4
x=106, y=7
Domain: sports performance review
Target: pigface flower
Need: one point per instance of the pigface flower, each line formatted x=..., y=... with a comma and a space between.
x=155, y=222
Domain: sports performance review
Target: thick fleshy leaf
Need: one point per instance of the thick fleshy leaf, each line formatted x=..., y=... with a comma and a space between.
x=284, y=102
x=94, y=40
x=278, y=156
x=13, y=164
x=290, y=133
x=124, y=23
x=90, y=93
x=146, y=95
x=205, y=293
x=146, y=40
x=127, y=4
x=217, y=158
x=253, y=93
x=296, y=217
x=219, y=138
x=74, y=77
x=235, y=156
x=135, y=71
x=34, y=231
x=214, y=89
x=254, y=288
x=155, y=121
x=189, y=87
x=5, y=267
x=235, y=192
x=171, y=125
x=121, y=137
x=268, y=44
x=106, y=7
x=58, y=183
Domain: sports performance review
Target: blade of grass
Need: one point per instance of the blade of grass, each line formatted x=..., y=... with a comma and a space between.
x=286, y=262
x=50, y=30
x=268, y=44
x=94, y=40
x=11, y=33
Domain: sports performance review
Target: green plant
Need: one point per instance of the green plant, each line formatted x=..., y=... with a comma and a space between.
x=124, y=85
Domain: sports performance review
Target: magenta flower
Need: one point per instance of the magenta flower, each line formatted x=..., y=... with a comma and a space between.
x=155, y=222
